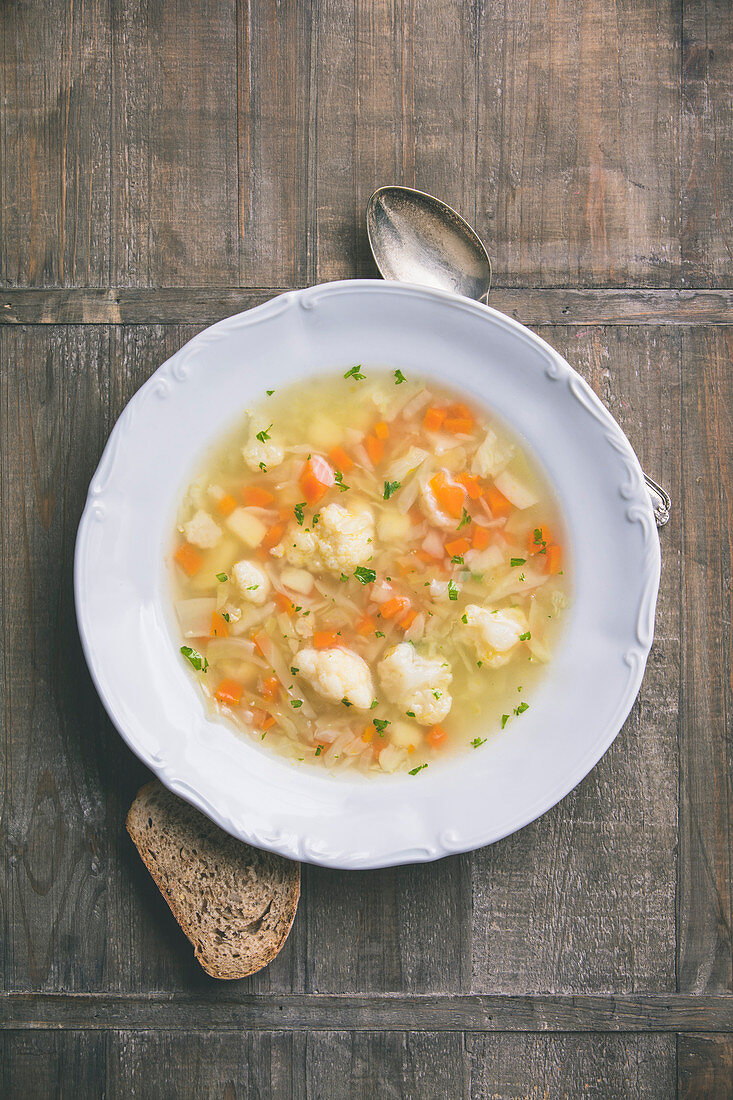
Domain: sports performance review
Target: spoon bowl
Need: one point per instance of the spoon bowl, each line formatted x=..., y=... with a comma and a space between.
x=416, y=238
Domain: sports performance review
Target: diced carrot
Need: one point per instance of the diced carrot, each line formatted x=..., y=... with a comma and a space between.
x=381, y=430
x=365, y=626
x=273, y=535
x=368, y=734
x=226, y=504
x=229, y=691
x=407, y=620
x=390, y=609
x=219, y=626
x=481, y=537
x=538, y=544
x=470, y=484
x=340, y=459
x=449, y=495
x=456, y=547
x=316, y=479
x=270, y=687
x=554, y=559
x=325, y=639
x=256, y=497
x=268, y=721
x=375, y=449
x=410, y=748
x=284, y=514
x=433, y=419
x=189, y=559
x=426, y=556
x=262, y=643
x=460, y=410
x=498, y=503
x=284, y=603
x=458, y=425
x=436, y=737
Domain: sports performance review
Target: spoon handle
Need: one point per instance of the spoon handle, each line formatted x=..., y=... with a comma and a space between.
x=661, y=504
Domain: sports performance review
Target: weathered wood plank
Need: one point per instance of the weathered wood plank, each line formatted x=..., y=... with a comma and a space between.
x=705, y=1067
x=203, y=305
x=414, y=1066
x=602, y=1068
x=707, y=144
x=705, y=909
x=211, y=1010
x=60, y=1065
x=584, y=898
x=578, y=142
x=54, y=151
x=174, y=143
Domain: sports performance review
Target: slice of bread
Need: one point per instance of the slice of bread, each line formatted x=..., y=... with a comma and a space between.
x=236, y=904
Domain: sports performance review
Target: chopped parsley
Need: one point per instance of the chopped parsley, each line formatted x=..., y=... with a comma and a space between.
x=194, y=657
x=339, y=477
x=525, y=637
x=263, y=467
x=264, y=435
x=355, y=373
x=346, y=702
x=464, y=619
x=222, y=577
x=457, y=559
x=419, y=768
x=319, y=750
x=225, y=616
x=521, y=708
x=374, y=703
x=294, y=671
x=478, y=742
x=521, y=577
x=269, y=392
x=399, y=378
x=295, y=703
x=298, y=510
x=343, y=577
x=514, y=562
x=437, y=694
x=378, y=633
x=366, y=576
x=479, y=663
x=380, y=725
x=465, y=520
x=253, y=588
x=410, y=713
x=504, y=720
x=390, y=487
x=452, y=591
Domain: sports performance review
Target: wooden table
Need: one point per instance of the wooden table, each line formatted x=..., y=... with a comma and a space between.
x=166, y=165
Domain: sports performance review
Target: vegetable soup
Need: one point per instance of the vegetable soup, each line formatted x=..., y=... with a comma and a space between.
x=369, y=572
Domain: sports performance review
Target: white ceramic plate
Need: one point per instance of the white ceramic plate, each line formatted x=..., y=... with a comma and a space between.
x=123, y=606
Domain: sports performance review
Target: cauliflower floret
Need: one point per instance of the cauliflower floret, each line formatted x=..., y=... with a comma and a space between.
x=417, y=684
x=202, y=531
x=252, y=581
x=491, y=456
x=255, y=451
x=432, y=510
x=494, y=633
x=337, y=674
x=339, y=542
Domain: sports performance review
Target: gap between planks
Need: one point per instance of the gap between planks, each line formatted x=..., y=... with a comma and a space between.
x=673, y=1012
x=202, y=305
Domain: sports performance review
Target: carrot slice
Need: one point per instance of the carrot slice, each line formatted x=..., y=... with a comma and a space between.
x=272, y=536
x=268, y=721
x=390, y=609
x=229, y=691
x=433, y=419
x=226, y=504
x=256, y=497
x=316, y=479
x=374, y=448
x=554, y=559
x=365, y=626
x=536, y=545
x=456, y=547
x=283, y=603
x=325, y=639
x=481, y=537
x=458, y=425
x=381, y=430
x=340, y=459
x=270, y=687
x=449, y=495
x=460, y=410
x=219, y=626
x=470, y=484
x=407, y=620
x=436, y=737
x=498, y=503
x=426, y=556
x=368, y=734
x=189, y=559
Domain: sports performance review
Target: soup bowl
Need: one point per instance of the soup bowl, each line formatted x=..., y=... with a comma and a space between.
x=124, y=604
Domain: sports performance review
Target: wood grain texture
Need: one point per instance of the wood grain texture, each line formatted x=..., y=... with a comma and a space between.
x=707, y=144
x=705, y=943
x=705, y=1067
x=204, y=305
x=58, y=1066
x=54, y=144
x=533, y=1067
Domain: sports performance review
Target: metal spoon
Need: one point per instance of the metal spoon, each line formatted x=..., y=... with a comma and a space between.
x=416, y=238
